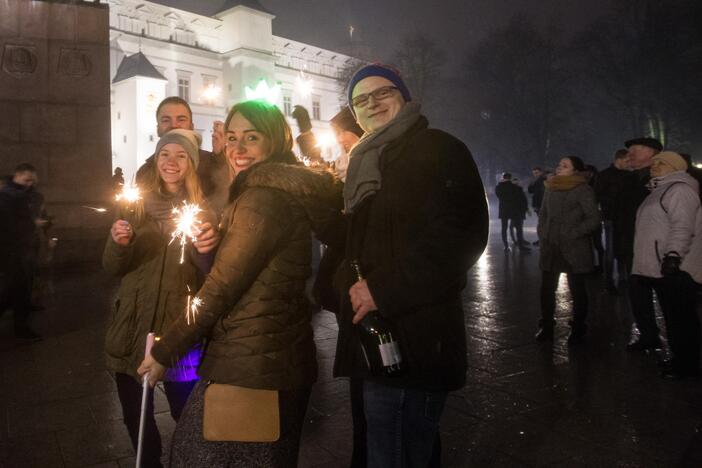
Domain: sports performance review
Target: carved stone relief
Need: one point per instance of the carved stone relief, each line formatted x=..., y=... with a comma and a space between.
x=74, y=62
x=19, y=60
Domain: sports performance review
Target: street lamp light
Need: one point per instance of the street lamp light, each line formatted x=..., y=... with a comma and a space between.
x=303, y=84
x=211, y=93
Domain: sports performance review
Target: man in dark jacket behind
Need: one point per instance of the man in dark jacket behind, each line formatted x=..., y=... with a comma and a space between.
x=174, y=112
x=634, y=192
x=18, y=241
x=608, y=185
x=418, y=221
x=513, y=208
x=536, y=188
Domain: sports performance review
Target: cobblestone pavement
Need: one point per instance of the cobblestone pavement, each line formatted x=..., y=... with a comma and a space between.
x=525, y=404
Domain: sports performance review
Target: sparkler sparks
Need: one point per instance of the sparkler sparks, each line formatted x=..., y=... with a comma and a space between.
x=129, y=194
x=99, y=210
x=328, y=147
x=187, y=225
x=131, y=207
x=192, y=307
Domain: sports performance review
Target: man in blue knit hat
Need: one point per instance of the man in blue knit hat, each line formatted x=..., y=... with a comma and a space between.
x=418, y=221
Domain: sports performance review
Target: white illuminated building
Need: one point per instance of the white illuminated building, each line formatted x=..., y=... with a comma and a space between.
x=207, y=57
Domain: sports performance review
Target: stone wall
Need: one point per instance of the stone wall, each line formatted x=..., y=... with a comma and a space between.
x=55, y=113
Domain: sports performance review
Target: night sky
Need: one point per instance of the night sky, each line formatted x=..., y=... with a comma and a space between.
x=455, y=25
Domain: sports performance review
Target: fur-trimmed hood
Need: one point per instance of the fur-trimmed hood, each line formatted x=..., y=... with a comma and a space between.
x=297, y=180
x=317, y=190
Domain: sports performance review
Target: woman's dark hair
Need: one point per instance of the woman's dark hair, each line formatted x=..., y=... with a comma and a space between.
x=577, y=163
x=267, y=119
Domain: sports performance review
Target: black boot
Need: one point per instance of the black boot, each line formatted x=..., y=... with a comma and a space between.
x=577, y=333
x=545, y=332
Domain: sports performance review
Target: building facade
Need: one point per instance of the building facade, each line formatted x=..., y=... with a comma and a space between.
x=208, y=57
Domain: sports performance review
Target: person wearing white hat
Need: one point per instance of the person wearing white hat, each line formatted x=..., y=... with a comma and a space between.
x=668, y=257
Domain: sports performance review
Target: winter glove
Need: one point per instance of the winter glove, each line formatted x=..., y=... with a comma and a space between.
x=670, y=265
x=302, y=117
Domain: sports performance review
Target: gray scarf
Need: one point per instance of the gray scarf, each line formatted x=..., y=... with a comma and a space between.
x=363, y=175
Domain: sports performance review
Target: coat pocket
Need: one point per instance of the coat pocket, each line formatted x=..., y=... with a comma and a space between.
x=120, y=337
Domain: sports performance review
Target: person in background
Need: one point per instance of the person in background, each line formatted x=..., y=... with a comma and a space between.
x=668, y=257
x=567, y=220
x=18, y=247
x=608, y=186
x=634, y=190
x=306, y=139
x=347, y=133
x=418, y=221
x=536, y=188
x=155, y=285
x=254, y=308
x=591, y=175
x=117, y=180
x=512, y=210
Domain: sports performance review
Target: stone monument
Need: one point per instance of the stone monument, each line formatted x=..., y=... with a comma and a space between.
x=55, y=113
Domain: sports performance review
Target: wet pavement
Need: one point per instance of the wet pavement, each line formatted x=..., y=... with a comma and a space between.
x=525, y=404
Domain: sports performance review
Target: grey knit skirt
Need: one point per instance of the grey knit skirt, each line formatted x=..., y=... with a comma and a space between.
x=189, y=448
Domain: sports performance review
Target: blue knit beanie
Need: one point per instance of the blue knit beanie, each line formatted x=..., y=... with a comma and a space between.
x=384, y=71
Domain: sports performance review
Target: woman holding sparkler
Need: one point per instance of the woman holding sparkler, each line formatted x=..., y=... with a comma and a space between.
x=157, y=275
x=253, y=304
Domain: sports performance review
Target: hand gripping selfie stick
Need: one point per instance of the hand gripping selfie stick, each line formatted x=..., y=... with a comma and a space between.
x=144, y=399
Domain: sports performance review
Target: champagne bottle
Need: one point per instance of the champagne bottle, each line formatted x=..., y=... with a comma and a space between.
x=379, y=341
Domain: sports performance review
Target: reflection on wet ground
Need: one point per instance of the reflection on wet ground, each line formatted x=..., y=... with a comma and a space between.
x=525, y=404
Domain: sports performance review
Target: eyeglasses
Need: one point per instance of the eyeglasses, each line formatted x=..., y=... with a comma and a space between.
x=379, y=94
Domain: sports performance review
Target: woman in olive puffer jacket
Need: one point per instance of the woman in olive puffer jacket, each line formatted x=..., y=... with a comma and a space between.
x=254, y=307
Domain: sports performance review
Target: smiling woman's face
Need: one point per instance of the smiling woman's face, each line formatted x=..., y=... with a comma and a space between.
x=376, y=113
x=245, y=146
x=172, y=164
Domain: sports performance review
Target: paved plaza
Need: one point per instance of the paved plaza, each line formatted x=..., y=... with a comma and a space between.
x=525, y=404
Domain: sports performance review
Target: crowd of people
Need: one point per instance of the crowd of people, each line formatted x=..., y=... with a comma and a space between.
x=639, y=223
x=402, y=217
x=239, y=365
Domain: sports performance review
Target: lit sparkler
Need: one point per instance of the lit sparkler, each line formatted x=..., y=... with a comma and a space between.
x=187, y=225
x=129, y=194
x=328, y=147
x=131, y=207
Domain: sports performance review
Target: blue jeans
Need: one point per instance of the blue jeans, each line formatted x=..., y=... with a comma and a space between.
x=403, y=426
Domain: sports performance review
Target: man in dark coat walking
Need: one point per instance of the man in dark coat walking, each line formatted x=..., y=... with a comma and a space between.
x=418, y=221
x=18, y=242
x=512, y=210
x=634, y=192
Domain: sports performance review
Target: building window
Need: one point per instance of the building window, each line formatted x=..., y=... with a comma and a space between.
x=316, y=109
x=287, y=105
x=184, y=88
